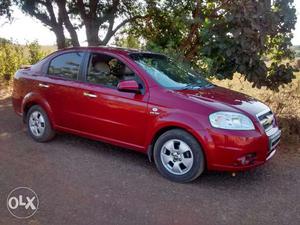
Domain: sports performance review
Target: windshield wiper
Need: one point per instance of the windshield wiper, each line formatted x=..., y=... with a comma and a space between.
x=209, y=85
x=192, y=86
x=196, y=86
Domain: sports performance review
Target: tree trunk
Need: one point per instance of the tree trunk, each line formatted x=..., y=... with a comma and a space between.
x=73, y=34
x=92, y=33
x=63, y=14
x=187, y=44
x=60, y=37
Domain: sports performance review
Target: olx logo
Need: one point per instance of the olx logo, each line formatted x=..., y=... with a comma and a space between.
x=22, y=202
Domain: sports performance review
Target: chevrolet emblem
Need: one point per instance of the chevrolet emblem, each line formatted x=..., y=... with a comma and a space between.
x=269, y=119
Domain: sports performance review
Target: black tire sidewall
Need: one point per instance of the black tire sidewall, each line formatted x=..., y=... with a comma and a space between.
x=48, y=133
x=199, y=161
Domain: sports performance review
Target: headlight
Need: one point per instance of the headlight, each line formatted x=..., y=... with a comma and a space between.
x=230, y=121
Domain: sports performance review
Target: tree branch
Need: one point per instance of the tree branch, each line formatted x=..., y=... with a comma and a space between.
x=63, y=14
x=111, y=32
x=194, y=27
x=81, y=8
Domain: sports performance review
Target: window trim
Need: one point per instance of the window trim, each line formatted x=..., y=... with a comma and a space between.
x=46, y=68
x=86, y=67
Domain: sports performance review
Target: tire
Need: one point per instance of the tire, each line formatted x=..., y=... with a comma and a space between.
x=38, y=124
x=178, y=156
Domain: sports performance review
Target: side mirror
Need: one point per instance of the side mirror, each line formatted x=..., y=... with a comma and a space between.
x=129, y=86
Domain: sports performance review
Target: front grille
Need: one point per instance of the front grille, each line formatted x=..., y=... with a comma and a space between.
x=266, y=119
x=274, y=141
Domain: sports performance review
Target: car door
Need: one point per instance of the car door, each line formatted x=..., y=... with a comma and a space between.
x=119, y=117
x=59, y=86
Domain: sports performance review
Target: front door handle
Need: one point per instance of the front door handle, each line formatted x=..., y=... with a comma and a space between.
x=43, y=85
x=89, y=95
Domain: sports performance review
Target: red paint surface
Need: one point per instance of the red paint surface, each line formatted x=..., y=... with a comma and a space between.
x=128, y=120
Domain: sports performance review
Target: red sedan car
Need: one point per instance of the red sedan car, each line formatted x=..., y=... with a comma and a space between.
x=149, y=103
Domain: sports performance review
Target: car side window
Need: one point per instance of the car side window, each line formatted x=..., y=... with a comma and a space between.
x=107, y=70
x=66, y=65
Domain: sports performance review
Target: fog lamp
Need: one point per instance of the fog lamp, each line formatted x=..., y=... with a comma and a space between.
x=247, y=159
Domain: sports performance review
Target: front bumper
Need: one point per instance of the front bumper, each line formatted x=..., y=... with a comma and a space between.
x=240, y=150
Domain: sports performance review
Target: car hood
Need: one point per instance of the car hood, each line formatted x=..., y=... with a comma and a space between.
x=224, y=99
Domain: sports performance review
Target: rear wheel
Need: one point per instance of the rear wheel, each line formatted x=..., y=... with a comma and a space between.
x=38, y=124
x=178, y=156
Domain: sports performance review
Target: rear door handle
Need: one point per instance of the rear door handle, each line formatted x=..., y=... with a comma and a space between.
x=43, y=85
x=89, y=95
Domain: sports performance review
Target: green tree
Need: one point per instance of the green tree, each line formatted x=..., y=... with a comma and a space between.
x=225, y=36
x=220, y=37
x=97, y=17
x=101, y=16
x=56, y=20
x=127, y=40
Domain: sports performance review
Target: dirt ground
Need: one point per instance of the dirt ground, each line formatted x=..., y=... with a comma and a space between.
x=79, y=181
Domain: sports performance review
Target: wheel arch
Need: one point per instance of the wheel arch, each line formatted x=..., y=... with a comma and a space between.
x=166, y=128
x=26, y=108
x=32, y=99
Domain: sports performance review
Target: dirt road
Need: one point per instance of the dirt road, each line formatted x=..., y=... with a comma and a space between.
x=79, y=181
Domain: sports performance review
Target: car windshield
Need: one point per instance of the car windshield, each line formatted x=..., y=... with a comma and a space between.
x=168, y=73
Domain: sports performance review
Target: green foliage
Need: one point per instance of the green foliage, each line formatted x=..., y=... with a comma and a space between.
x=128, y=41
x=225, y=36
x=105, y=16
x=35, y=52
x=12, y=56
x=219, y=37
x=5, y=8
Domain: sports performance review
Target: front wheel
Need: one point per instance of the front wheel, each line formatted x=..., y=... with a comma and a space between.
x=178, y=156
x=38, y=124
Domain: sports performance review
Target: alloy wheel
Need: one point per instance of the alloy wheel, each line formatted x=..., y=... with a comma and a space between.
x=37, y=124
x=177, y=156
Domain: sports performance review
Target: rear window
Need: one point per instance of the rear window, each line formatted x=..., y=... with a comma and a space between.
x=66, y=65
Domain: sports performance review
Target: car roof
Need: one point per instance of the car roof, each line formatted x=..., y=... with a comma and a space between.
x=108, y=49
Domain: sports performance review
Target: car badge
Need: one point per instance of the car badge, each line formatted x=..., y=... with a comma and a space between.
x=154, y=111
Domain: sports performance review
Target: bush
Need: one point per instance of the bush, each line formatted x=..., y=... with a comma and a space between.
x=35, y=52
x=12, y=56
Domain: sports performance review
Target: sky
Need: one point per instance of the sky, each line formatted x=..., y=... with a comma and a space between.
x=25, y=29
